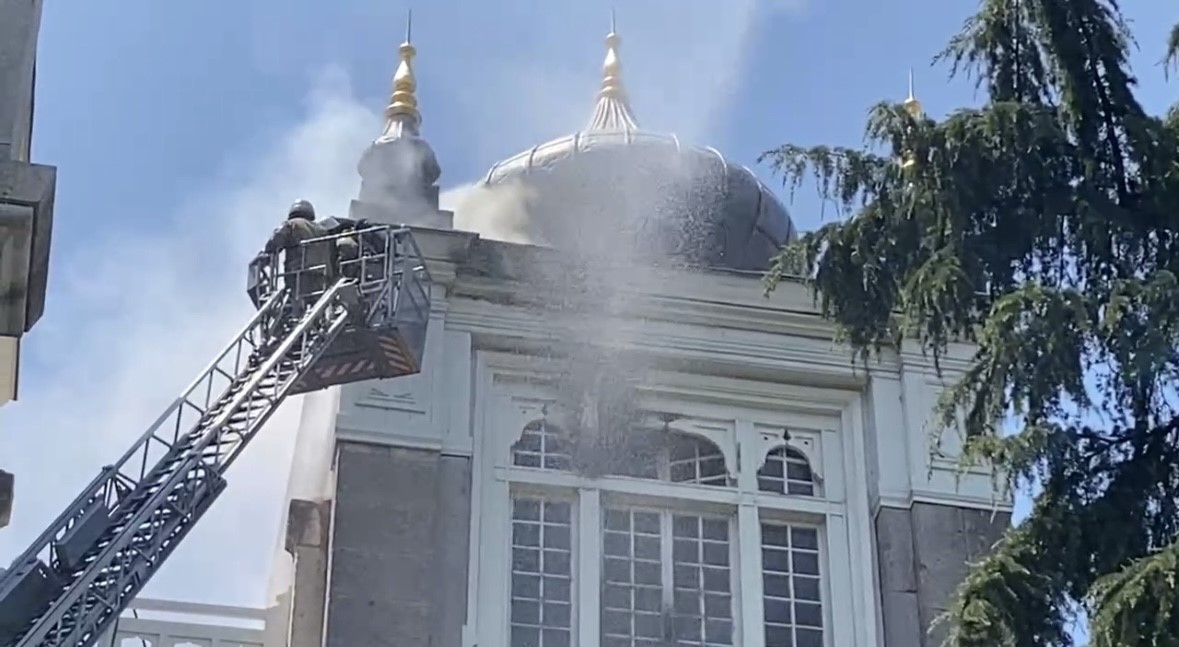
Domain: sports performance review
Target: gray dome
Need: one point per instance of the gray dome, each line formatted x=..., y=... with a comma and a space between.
x=675, y=201
x=616, y=187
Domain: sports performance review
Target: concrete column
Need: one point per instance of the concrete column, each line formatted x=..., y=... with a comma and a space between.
x=308, y=524
x=400, y=541
x=22, y=185
x=20, y=21
x=924, y=554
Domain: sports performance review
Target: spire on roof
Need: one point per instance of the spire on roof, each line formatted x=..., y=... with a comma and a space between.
x=399, y=171
x=612, y=111
x=911, y=104
x=402, y=114
x=913, y=107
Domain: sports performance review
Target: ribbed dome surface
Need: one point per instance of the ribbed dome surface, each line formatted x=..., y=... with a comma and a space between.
x=683, y=202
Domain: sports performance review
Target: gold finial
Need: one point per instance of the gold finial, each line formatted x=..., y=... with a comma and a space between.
x=404, y=102
x=612, y=112
x=612, y=66
x=912, y=105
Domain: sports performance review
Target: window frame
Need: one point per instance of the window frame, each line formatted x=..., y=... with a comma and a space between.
x=666, y=515
x=506, y=401
x=549, y=496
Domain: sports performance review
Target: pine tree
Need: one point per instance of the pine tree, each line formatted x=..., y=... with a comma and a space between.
x=1044, y=228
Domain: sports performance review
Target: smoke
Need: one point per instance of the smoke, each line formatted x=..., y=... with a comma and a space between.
x=134, y=316
x=499, y=212
x=615, y=225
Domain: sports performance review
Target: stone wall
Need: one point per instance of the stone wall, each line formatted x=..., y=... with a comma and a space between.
x=26, y=190
x=924, y=553
x=20, y=22
x=399, y=547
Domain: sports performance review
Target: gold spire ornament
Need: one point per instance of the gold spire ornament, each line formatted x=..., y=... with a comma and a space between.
x=612, y=111
x=913, y=107
x=612, y=66
x=403, y=104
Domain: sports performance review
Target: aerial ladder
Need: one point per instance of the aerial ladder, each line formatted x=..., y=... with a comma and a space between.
x=350, y=320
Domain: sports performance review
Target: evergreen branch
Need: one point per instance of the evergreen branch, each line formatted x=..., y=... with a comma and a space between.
x=1171, y=58
x=1139, y=605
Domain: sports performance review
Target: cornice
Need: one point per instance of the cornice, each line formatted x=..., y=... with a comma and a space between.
x=710, y=389
x=951, y=499
x=505, y=291
x=739, y=353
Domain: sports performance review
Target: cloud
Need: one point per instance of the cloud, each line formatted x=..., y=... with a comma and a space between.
x=136, y=316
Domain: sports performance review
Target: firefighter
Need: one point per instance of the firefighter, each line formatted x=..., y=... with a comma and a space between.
x=347, y=246
x=349, y=253
x=306, y=268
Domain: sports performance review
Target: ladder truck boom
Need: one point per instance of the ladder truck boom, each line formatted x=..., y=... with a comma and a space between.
x=362, y=318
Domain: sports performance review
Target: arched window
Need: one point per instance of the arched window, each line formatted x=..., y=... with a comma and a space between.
x=692, y=459
x=542, y=445
x=786, y=471
x=652, y=454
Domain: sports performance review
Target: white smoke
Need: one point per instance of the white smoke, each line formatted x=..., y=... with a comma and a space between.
x=495, y=212
x=136, y=316
x=132, y=319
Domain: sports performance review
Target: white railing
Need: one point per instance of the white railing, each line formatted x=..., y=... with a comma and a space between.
x=165, y=623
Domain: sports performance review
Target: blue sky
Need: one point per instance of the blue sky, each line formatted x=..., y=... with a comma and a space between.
x=182, y=130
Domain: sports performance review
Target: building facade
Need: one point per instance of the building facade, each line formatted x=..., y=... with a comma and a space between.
x=26, y=190
x=617, y=438
x=26, y=203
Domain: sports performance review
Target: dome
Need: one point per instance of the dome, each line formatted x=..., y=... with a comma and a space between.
x=677, y=201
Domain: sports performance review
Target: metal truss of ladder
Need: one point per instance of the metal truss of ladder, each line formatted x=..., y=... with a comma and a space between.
x=99, y=554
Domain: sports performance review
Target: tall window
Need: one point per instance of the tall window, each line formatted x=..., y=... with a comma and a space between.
x=666, y=546
x=665, y=576
x=793, y=603
x=542, y=572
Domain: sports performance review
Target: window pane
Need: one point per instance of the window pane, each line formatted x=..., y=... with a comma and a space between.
x=702, y=608
x=666, y=579
x=791, y=586
x=541, y=605
x=632, y=588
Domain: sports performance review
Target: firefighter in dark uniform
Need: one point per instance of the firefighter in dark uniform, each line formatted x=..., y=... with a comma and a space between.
x=307, y=269
x=348, y=251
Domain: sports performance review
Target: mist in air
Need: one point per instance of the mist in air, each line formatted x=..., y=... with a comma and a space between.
x=611, y=229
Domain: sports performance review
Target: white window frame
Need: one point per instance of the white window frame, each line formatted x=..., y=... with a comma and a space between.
x=507, y=399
